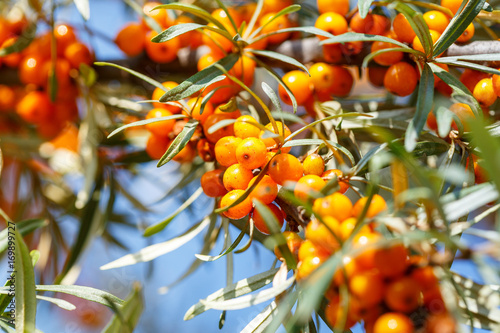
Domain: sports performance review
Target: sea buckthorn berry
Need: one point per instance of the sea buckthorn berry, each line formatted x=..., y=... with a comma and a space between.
x=293, y=241
x=352, y=48
x=403, y=29
x=331, y=22
x=313, y=165
x=495, y=79
x=452, y=5
x=343, y=82
x=366, y=241
x=77, y=53
x=467, y=34
x=403, y=295
x=270, y=142
x=244, y=129
x=279, y=23
x=309, y=265
x=156, y=146
x=240, y=210
x=194, y=106
x=131, y=39
x=387, y=58
x=307, y=184
x=285, y=167
x=174, y=107
x=251, y=153
x=217, y=43
x=401, y=79
x=380, y=25
x=347, y=227
x=321, y=76
x=484, y=92
x=329, y=174
x=159, y=15
x=334, y=312
x=464, y=114
x=236, y=177
x=417, y=44
x=221, y=132
x=186, y=155
x=13, y=59
x=336, y=205
x=206, y=150
x=212, y=184
x=433, y=300
x=440, y=323
x=266, y=190
x=161, y=52
x=377, y=205
x=376, y=75
x=391, y=261
x=207, y=60
x=259, y=222
x=64, y=35
x=368, y=288
x=361, y=25
x=35, y=107
x=160, y=128
x=275, y=5
x=30, y=69
x=244, y=69
x=223, y=18
x=393, y=322
x=425, y=277
x=62, y=69
x=192, y=39
x=350, y=267
x=231, y=115
x=309, y=249
x=436, y=20
x=7, y=98
x=333, y=53
x=338, y=6
x=225, y=150
x=471, y=77
x=324, y=235
x=299, y=84
x=223, y=90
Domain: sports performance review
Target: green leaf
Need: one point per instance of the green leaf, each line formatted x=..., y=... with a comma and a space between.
x=457, y=25
x=145, y=122
x=180, y=29
x=24, y=228
x=262, y=320
x=21, y=42
x=417, y=23
x=136, y=74
x=444, y=118
x=228, y=250
x=25, y=287
x=372, y=55
x=127, y=316
x=237, y=289
x=221, y=124
x=364, y=7
x=195, y=10
x=280, y=57
x=424, y=106
x=83, y=8
x=306, y=29
x=284, y=11
x=309, y=142
x=275, y=100
x=461, y=204
x=156, y=250
x=180, y=141
x=355, y=36
x=88, y=293
x=470, y=57
x=57, y=301
x=199, y=80
x=472, y=65
x=249, y=300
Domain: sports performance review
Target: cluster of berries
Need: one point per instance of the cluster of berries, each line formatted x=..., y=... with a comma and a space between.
x=36, y=66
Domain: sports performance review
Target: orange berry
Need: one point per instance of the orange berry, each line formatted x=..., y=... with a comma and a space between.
x=343, y=82
x=484, y=92
x=212, y=184
x=240, y=210
x=393, y=322
x=332, y=23
x=220, y=133
x=251, y=153
x=7, y=98
x=275, y=5
x=307, y=184
x=313, y=165
x=417, y=44
x=186, y=155
x=333, y=53
x=244, y=69
x=161, y=52
x=77, y=53
x=160, y=128
x=131, y=39
x=391, y=261
x=338, y=6
x=403, y=295
x=471, y=77
x=380, y=25
x=368, y=288
x=387, y=58
x=191, y=39
x=452, y=5
x=329, y=174
x=270, y=142
x=13, y=59
x=62, y=69
x=174, y=107
x=433, y=300
x=232, y=115
x=464, y=114
x=217, y=43
x=322, y=76
x=347, y=227
x=194, y=105
x=495, y=80
x=403, y=29
x=156, y=146
x=293, y=242
x=65, y=35
x=361, y=25
x=236, y=177
x=365, y=242
x=206, y=150
x=279, y=23
x=259, y=222
x=35, y=107
x=440, y=323
x=336, y=205
x=376, y=75
x=334, y=312
x=309, y=265
x=207, y=60
x=30, y=69
x=436, y=20
x=425, y=277
x=285, y=167
x=220, y=15
x=309, y=249
x=266, y=190
x=401, y=79
x=159, y=15
x=351, y=267
x=377, y=205
x=225, y=150
x=243, y=129
x=299, y=84
x=324, y=235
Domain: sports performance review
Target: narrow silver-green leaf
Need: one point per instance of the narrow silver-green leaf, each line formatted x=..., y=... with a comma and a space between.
x=471, y=65
x=228, y=250
x=364, y=7
x=417, y=23
x=195, y=10
x=308, y=142
x=145, y=122
x=127, y=316
x=260, y=322
x=21, y=42
x=88, y=293
x=25, y=287
x=280, y=57
x=355, y=36
x=63, y=304
x=83, y=8
x=181, y=29
x=180, y=141
x=24, y=228
x=135, y=73
x=284, y=11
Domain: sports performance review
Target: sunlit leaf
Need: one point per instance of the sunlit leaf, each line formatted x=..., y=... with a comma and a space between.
x=83, y=8
x=127, y=316
x=180, y=141
x=25, y=287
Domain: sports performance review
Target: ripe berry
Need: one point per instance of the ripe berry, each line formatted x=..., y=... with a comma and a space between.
x=393, y=322
x=403, y=295
x=329, y=174
x=484, y=92
x=270, y=142
x=332, y=23
x=212, y=184
x=313, y=165
x=309, y=249
x=160, y=128
x=377, y=205
x=306, y=185
x=174, y=107
x=35, y=107
x=368, y=287
x=236, y=177
x=436, y=20
x=336, y=205
x=131, y=39
x=77, y=53
x=251, y=153
x=403, y=29
x=279, y=23
x=338, y=6
x=266, y=190
x=324, y=235
x=225, y=150
x=156, y=146
x=299, y=84
x=244, y=129
x=401, y=79
x=391, y=261
x=259, y=222
x=238, y=211
x=285, y=167
x=221, y=132
x=161, y=52
x=293, y=242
